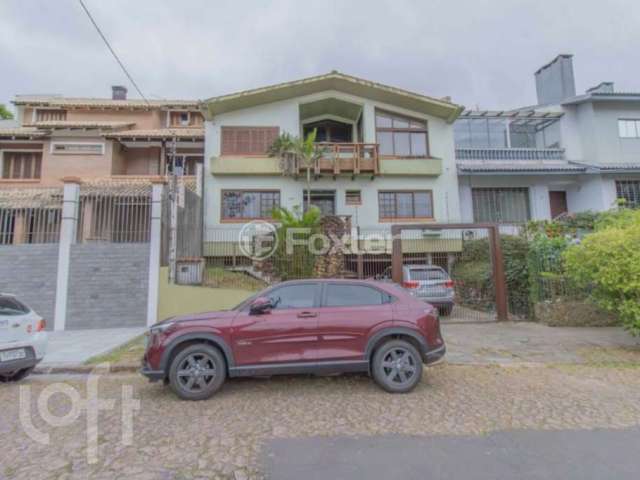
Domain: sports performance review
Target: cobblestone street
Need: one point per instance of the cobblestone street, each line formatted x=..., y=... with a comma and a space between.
x=223, y=437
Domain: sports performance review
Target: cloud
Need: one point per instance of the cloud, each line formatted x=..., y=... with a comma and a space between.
x=480, y=52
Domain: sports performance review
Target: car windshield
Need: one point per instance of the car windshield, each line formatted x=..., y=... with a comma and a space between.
x=11, y=306
x=427, y=274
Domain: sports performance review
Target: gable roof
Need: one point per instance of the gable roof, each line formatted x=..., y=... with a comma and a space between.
x=333, y=81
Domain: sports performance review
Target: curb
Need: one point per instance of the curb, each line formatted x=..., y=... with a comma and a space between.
x=84, y=369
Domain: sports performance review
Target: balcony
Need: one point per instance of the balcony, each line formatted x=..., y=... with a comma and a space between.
x=345, y=158
x=510, y=154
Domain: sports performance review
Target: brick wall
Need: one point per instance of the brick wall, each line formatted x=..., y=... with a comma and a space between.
x=108, y=285
x=29, y=272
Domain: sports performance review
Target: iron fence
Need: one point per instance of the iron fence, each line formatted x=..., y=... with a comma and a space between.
x=30, y=216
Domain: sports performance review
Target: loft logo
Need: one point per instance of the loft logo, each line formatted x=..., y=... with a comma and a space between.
x=91, y=405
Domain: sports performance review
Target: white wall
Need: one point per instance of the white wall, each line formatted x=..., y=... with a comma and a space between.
x=285, y=114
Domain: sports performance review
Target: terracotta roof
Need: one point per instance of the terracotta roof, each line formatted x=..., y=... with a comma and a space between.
x=21, y=132
x=75, y=124
x=159, y=133
x=59, y=101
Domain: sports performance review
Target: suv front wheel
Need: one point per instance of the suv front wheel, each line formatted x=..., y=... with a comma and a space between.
x=197, y=372
x=397, y=366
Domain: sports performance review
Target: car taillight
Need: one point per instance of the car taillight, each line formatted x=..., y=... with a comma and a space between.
x=41, y=325
x=410, y=284
x=449, y=284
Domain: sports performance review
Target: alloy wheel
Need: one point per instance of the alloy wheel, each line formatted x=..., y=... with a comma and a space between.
x=196, y=372
x=399, y=366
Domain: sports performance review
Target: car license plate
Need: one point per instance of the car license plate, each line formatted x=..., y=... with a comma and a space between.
x=13, y=355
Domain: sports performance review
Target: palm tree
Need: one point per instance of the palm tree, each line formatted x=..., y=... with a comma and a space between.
x=304, y=150
x=295, y=261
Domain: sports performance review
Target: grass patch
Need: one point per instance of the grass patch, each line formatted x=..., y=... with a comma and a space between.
x=217, y=277
x=610, y=356
x=130, y=352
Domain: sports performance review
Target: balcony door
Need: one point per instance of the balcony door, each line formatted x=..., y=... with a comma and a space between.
x=325, y=200
x=330, y=131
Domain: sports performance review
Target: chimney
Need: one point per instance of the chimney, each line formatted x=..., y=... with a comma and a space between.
x=118, y=92
x=554, y=81
x=602, y=87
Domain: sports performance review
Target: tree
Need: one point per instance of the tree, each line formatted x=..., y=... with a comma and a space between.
x=607, y=264
x=4, y=113
x=303, y=151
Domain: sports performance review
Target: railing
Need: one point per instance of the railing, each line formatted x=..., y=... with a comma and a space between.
x=30, y=216
x=516, y=154
x=338, y=158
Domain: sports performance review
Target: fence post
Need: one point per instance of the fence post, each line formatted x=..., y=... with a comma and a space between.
x=68, y=227
x=502, y=307
x=157, y=188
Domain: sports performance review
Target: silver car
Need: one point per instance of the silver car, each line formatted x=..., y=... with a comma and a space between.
x=429, y=283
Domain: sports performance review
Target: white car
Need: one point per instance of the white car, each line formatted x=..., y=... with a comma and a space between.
x=23, y=339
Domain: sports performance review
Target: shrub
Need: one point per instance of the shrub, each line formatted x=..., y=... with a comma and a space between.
x=607, y=263
x=545, y=267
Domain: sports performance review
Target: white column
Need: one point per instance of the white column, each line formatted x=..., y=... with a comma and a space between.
x=67, y=237
x=154, y=251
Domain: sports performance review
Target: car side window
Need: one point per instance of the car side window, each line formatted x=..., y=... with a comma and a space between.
x=345, y=295
x=11, y=306
x=294, y=296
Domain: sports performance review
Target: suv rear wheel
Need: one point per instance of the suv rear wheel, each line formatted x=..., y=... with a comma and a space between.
x=197, y=372
x=397, y=366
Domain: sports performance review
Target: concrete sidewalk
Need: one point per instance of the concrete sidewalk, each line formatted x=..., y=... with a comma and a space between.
x=74, y=347
x=529, y=342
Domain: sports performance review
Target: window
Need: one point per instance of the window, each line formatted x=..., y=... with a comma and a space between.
x=188, y=163
x=426, y=274
x=185, y=119
x=501, y=205
x=400, y=136
x=345, y=295
x=11, y=306
x=243, y=204
x=49, y=115
x=629, y=128
x=629, y=190
x=21, y=165
x=329, y=131
x=77, y=148
x=353, y=197
x=294, y=296
x=325, y=200
x=247, y=140
x=418, y=204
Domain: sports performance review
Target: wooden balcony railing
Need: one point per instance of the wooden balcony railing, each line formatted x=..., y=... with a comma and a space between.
x=338, y=158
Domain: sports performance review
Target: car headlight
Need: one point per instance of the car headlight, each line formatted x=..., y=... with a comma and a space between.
x=161, y=328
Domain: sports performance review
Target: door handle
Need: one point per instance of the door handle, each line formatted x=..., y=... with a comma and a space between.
x=307, y=314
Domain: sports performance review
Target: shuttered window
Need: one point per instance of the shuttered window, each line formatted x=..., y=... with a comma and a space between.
x=48, y=115
x=21, y=165
x=247, y=140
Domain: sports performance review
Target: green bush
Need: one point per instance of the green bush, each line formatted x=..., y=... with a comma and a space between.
x=607, y=263
x=545, y=267
x=473, y=273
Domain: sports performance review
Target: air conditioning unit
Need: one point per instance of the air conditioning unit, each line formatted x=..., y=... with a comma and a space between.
x=189, y=271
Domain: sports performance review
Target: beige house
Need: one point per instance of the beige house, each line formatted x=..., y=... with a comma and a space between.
x=95, y=138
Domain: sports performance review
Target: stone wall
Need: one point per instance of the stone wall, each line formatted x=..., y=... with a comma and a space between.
x=29, y=272
x=108, y=285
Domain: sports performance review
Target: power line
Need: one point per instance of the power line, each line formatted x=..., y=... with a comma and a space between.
x=124, y=69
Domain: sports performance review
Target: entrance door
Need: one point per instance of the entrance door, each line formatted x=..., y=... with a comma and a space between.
x=325, y=200
x=558, y=202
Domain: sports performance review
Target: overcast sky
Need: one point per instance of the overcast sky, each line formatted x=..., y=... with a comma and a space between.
x=481, y=52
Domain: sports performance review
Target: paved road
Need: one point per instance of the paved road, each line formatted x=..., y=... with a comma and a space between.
x=525, y=455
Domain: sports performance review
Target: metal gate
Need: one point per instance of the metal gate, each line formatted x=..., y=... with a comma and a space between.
x=457, y=267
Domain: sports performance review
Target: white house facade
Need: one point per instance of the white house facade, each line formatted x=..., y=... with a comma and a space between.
x=389, y=154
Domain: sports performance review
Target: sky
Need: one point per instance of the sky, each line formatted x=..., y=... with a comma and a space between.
x=482, y=53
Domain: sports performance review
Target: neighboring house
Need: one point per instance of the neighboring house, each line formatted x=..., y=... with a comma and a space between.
x=567, y=154
x=97, y=138
x=114, y=146
x=389, y=153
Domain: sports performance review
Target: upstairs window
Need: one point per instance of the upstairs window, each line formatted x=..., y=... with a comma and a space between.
x=401, y=136
x=50, y=115
x=405, y=204
x=246, y=205
x=21, y=165
x=629, y=128
x=247, y=140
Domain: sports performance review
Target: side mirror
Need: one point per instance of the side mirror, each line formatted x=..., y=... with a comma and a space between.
x=260, y=305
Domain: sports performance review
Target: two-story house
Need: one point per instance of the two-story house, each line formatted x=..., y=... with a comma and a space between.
x=388, y=153
x=568, y=153
x=97, y=138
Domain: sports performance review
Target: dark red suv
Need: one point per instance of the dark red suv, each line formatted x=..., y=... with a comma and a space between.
x=307, y=326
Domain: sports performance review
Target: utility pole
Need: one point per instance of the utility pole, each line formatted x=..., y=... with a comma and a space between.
x=173, y=218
